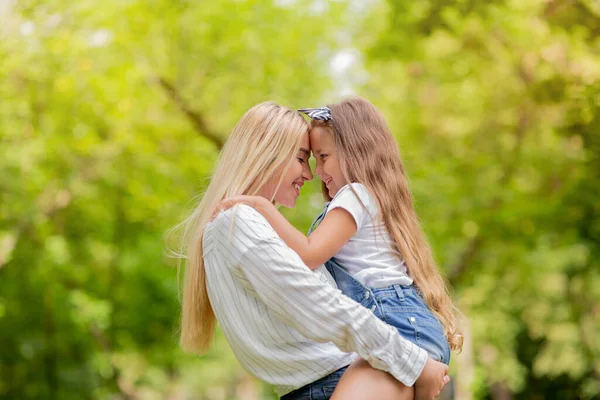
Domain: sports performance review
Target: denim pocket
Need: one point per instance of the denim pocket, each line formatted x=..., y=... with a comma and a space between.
x=405, y=310
x=328, y=391
x=430, y=336
x=327, y=385
x=393, y=300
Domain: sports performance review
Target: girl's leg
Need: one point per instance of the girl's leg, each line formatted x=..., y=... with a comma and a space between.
x=363, y=382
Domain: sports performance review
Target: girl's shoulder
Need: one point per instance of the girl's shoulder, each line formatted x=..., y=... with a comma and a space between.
x=356, y=199
x=354, y=186
x=355, y=189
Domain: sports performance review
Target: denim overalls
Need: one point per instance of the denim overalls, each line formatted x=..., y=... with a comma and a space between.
x=402, y=307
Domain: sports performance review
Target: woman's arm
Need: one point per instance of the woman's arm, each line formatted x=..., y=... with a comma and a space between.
x=334, y=231
x=275, y=275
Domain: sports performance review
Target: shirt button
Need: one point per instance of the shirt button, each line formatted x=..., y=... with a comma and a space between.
x=367, y=295
x=412, y=319
x=374, y=307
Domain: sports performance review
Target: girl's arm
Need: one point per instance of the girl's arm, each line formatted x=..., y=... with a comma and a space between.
x=329, y=237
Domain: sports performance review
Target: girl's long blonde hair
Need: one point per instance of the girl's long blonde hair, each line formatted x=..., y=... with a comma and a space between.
x=259, y=150
x=368, y=153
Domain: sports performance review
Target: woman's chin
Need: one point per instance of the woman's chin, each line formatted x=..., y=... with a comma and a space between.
x=288, y=203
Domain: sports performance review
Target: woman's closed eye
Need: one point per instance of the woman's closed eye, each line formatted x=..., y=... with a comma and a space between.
x=323, y=156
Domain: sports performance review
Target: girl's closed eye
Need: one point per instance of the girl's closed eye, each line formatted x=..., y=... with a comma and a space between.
x=302, y=161
x=323, y=156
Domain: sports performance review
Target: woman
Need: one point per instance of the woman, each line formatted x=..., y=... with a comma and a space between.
x=287, y=325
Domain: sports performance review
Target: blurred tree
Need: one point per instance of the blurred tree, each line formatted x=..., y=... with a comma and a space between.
x=112, y=114
x=496, y=108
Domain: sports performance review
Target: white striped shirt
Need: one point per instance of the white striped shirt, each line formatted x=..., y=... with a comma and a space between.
x=287, y=325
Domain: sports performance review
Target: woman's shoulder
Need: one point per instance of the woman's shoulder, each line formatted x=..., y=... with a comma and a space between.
x=239, y=219
x=234, y=231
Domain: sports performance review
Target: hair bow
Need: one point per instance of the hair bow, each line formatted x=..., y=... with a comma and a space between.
x=321, y=114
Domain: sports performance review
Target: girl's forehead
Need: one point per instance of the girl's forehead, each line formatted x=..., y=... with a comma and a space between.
x=320, y=134
x=318, y=130
x=320, y=139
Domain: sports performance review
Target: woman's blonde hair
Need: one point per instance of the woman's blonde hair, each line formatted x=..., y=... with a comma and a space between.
x=368, y=154
x=259, y=150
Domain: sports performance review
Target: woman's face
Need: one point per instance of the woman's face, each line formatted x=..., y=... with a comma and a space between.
x=294, y=177
x=328, y=168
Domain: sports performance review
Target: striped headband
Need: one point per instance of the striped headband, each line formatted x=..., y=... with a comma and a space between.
x=321, y=114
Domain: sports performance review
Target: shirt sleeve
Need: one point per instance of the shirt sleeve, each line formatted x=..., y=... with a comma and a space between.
x=356, y=206
x=318, y=311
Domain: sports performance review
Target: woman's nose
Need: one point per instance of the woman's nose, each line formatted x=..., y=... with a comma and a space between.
x=307, y=173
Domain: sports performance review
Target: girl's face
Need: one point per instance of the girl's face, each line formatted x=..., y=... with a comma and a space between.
x=293, y=179
x=328, y=167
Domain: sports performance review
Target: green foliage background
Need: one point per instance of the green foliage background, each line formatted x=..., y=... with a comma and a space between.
x=112, y=114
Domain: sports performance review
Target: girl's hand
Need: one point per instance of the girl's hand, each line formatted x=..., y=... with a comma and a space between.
x=226, y=204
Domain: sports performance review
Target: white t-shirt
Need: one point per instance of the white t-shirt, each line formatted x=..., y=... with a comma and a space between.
x=370, y=256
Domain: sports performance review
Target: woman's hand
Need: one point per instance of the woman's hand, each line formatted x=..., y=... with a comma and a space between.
x=431, y=381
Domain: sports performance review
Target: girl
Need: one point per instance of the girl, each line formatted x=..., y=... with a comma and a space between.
x=370, y=229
